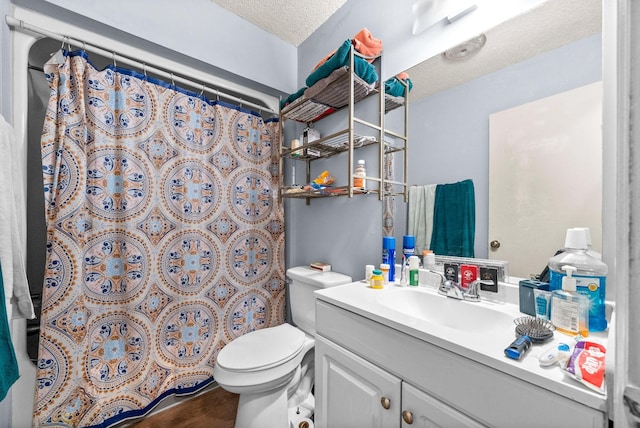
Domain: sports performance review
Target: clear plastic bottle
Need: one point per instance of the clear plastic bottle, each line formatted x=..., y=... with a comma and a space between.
x=590, y=275
x=358, y=176
x=570, y=309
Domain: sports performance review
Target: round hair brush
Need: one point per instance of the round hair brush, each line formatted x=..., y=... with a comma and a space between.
x=537, y=329
x=529, y=330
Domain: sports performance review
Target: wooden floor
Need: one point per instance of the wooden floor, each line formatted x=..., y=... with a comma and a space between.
x=213, y=409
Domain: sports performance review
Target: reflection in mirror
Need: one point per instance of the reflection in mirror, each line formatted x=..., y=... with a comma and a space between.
x=549, y=50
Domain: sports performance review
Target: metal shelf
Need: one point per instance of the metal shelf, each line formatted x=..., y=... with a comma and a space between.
x=342, y=93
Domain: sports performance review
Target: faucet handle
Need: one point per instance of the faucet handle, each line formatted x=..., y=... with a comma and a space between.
x=473, y=293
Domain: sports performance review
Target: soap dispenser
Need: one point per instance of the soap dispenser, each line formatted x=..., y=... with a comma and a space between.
x=570, y=309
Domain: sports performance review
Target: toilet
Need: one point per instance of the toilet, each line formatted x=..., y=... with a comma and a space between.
x=272, y=369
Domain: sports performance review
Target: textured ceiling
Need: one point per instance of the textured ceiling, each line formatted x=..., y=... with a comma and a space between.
x=551, y=25
x=291, y=20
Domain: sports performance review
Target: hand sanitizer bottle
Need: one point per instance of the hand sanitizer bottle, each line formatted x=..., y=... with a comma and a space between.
x=570, y=309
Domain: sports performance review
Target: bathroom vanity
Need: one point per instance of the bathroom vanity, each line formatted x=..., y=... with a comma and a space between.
x=410, y=357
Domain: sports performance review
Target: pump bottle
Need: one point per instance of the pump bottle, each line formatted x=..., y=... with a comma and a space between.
x=570, y=309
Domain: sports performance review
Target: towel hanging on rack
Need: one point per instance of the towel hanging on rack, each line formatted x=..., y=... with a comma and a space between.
x=454, y=220
x=11, y=216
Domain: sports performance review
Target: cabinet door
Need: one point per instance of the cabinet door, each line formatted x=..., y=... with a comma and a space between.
x=422, y=410
x=351, y=392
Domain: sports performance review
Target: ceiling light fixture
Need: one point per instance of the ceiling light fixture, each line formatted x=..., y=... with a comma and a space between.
x=465, y=49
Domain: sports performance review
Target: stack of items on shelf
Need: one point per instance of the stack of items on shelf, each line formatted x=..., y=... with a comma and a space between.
x=325, y=85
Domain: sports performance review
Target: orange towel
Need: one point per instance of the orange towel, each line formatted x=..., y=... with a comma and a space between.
x=364, y=42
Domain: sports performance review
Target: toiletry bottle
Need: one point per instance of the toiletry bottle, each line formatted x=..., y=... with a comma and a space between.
x=408, y=248
x=389, y=255
x=570, y=309
x=429, y=260
x=377, y=281
x=590, y=275
x=359, y=175
x=414, y=262
x=384, y=267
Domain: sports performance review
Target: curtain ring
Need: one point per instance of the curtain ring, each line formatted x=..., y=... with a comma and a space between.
x=62, y=45
x=144, y=70
x=21, y=24
x=115, y=64
x=202, y=90
x=172, y=81
x=84, y=47
x=217, y=95
x=69, y=43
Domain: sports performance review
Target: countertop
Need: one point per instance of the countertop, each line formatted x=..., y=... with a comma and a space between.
x=485, y=348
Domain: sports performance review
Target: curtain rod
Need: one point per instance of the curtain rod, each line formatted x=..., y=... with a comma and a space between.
x=18, y=23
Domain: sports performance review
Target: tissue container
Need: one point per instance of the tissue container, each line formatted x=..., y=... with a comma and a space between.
x=527, y=298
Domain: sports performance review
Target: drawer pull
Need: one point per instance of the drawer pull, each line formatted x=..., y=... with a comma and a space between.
x=407, y=416
x=386, y=403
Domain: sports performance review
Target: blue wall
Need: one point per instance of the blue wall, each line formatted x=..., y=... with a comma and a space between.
x=448, y=134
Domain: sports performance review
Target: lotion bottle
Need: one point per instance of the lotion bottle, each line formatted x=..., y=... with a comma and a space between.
x=570, y=309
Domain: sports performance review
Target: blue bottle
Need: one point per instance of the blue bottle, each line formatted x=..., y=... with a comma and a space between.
x=408, y=248
x=590, y=275
x=389, y=255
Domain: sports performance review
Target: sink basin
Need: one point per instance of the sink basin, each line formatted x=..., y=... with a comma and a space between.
x=445, y=311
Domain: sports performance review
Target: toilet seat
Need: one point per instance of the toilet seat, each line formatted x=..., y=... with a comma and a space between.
x=262, y=349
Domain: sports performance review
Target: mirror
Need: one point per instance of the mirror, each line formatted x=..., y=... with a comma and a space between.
x=549, y=50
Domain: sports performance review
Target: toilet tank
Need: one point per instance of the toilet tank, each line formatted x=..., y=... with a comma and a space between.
x=303, y=281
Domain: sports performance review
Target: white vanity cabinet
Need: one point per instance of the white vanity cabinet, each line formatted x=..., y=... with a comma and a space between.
x=355, y=393
x=361, y=361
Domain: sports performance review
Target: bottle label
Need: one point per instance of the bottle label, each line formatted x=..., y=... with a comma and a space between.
x=594, y=287
x=564, y=315
x=413, y=277
x=389, y=257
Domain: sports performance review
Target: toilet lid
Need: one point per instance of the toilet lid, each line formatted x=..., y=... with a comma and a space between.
x=262, y=349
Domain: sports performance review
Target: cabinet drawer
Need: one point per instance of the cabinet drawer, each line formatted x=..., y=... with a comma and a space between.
x=475, y=389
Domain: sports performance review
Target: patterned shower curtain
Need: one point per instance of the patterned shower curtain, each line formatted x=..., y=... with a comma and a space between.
x=165, y=241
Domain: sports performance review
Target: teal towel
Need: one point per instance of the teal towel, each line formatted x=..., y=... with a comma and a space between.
x=291, y=98
x=395, y=87
x=363, y=69
x=8, y=361
x=454, y=220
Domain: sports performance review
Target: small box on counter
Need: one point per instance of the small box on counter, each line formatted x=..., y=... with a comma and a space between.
x=468, y=274
x=489, y=274
x=321, y=266
x=451, y=271
x=527, y=295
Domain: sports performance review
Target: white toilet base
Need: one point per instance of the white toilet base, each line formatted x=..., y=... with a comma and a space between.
x=268, y=409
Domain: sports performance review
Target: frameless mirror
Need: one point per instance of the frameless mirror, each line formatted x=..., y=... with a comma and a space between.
x=552, y=49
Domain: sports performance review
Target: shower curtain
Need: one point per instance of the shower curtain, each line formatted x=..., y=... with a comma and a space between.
x=165, y=241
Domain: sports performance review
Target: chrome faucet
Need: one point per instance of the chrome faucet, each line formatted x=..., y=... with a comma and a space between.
x=454, y=290
x=473, y=293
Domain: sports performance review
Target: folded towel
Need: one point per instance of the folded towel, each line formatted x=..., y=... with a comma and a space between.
x=454, y=220
x=420, y=224
x=340, y=58
x=364, y=42
x=394, y=86
x=291, y=98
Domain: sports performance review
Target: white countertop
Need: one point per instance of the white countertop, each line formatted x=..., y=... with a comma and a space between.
x=485, y=348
